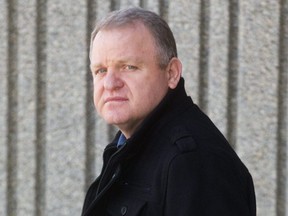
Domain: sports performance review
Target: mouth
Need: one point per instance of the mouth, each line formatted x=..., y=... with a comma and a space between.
x=115, y=99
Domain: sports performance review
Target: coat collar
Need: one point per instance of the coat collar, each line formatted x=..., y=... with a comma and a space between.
x=175, y=102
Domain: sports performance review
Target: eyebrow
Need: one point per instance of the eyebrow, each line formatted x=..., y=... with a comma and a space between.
x=94, y=66
x=130, y=60
x=125, y=60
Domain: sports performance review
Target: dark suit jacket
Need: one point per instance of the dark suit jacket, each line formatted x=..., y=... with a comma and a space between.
x=176, y=164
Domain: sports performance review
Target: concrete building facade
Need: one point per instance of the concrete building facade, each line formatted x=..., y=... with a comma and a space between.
x=235, y=58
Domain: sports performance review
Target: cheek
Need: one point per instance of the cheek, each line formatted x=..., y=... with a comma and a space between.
x=97, y=93
x=151, y=94
x=153, y=83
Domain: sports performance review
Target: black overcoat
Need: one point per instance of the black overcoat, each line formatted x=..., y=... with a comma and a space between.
x=176, y=164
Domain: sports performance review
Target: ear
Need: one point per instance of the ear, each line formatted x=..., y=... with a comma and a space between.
x=174, y=71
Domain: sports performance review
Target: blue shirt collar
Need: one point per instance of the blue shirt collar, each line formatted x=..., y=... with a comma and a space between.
x=121, y=140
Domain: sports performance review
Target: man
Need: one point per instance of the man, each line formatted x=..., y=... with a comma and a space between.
x=168, y=158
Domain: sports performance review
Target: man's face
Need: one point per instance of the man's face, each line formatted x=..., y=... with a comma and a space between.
x=128, y=82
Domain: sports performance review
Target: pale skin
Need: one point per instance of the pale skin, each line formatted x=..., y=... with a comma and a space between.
x=128, y=82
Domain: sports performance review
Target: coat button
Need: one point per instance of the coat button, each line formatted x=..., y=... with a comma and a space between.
x=123, y=210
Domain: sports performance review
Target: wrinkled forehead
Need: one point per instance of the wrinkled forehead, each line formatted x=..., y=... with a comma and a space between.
x=114, y=26
x=117, y=25
x=123, y=41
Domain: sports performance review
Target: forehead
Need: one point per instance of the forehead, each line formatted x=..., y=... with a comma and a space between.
x=136, y=30
x=121, y=24
x=129, y=40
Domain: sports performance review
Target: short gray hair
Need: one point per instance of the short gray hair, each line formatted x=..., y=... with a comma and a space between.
x=158, y=27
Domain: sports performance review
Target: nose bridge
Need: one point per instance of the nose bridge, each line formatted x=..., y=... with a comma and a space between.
x=112, y=79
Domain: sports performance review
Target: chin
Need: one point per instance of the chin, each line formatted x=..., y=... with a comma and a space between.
x=114, y=120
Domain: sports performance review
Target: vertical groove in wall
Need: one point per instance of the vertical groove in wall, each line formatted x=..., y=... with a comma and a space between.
x=204, y=54
x=163, y=9
x=114, y=5
x=90, y=110
x=143, y=3
x=112, y=130
x=282, y=112
x=12, y=108
x=40, y=143
x=232, y=72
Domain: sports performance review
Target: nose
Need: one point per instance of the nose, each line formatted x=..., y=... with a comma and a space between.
x=112, y=80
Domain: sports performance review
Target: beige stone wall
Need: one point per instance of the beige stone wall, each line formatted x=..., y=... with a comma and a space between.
x=235, y=57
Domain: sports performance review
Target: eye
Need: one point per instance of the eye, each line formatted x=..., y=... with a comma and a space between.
x=131, y=67
x=100, y=71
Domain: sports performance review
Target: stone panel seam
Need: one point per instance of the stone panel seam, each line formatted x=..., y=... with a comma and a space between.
x=90, y=111
x=282, y=112
x=164, y=9
x=12, y=109
x=114, y=5
x=204, y=54
x=232, y=75
x=143, y=3
x=41, y=104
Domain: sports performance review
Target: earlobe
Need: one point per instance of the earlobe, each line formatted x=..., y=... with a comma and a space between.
x=174, y=72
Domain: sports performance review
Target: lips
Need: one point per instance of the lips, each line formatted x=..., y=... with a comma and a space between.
x=115, y=99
